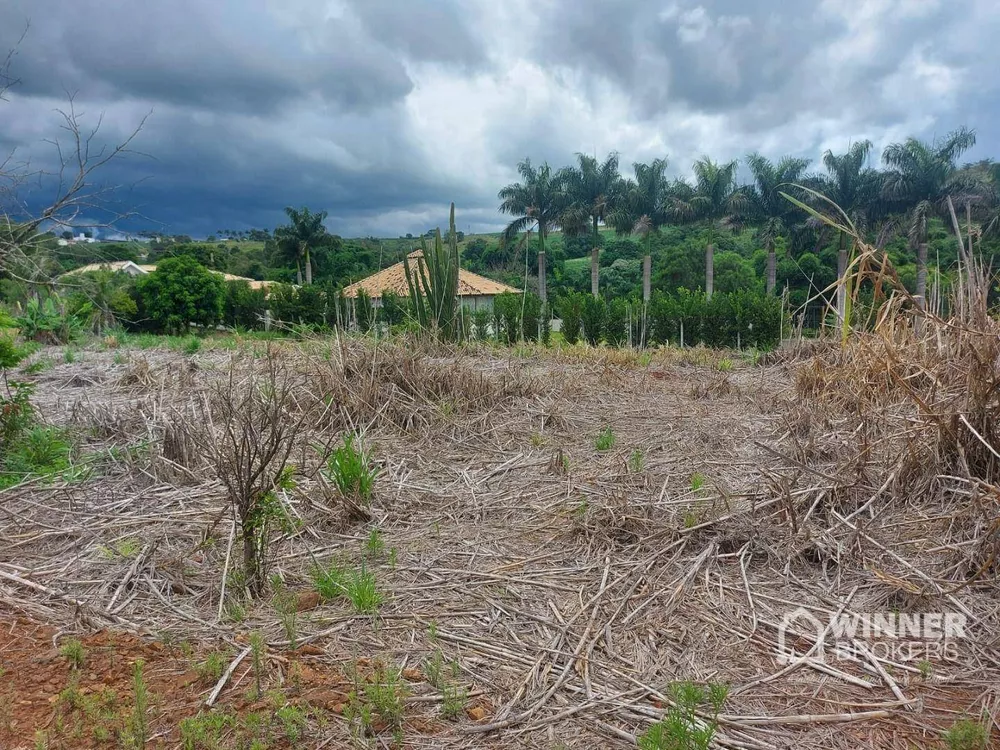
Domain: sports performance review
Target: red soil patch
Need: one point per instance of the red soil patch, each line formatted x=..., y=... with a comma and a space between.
x=89, y=707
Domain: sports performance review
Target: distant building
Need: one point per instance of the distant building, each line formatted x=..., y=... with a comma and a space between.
x=475, y=291
x=134, y=269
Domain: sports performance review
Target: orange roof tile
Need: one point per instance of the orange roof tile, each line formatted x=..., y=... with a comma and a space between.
x=393, y=279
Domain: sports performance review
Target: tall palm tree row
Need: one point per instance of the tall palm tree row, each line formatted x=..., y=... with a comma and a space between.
x=856, y=188
x=717, y=200
x=765, y=207
x=920, y=180
x=593, y=190
x=923, y=180
x=647, y=203
x=537, y=203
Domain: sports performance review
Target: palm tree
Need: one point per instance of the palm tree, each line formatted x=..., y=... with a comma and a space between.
x=539, y=202
x=766, y=207
x=923, y=179
x=298, y=239
x=716, y=199
x=647, y=203
x=855, y=188
x=593, y=188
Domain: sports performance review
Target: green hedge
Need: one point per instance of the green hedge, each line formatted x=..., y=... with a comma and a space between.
x=726, y=320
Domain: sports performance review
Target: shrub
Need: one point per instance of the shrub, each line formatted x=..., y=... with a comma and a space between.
x=594, y=311
x=967, y=735
x=616, y=322
x=50, y=322
x=37, y=451
x=305, y=305
x=244, y=307
x=571, y=313
x=531, y=314
x=180, y=292
x=481, y=322
x=393, y=308
x=507, y=306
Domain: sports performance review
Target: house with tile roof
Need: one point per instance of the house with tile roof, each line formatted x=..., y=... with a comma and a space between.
x=474, y=291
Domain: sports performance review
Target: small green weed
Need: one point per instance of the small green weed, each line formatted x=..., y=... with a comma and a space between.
x=697, y=482
x=636, y=461
x=351, y=470
x=537, y=439
x=681, y=728
x=136, y=732
x=966, y=734
x=210, y=670
x=258, y=654
x=330, y=582
x=724, y=365
x=39, y=365
x=375, y=544
x=453, y=700
x=192, y=345
x=69, y=357
x=293, y=721
x=73, y=652
x=41, y=451
x=362, y=591
x=605, y=440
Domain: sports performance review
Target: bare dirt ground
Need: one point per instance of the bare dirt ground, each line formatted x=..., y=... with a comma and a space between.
x=538, y=592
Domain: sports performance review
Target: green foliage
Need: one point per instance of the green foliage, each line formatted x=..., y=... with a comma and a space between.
x=378, y=698
x=966, y=734
x=136, y=731
x=350, y=468
x=73, y=652
x=393, y=308
x=293, y=721
x=50, y=322
x=481, y=323
x=594, y=313
x=744, y=318
x=571, y=312
x=507, y=317
x=364, y=313
x=37, y=451
x=330, y=581
x=433, y=284
x=375, y=544
x=605, y=440
x=181, y=292
x=697, y=482
x=362, y=591
x=682, y=728
x=244, y=307
x=636, y=461
x=211, y=669
x=530, y=314
x=616, y=323
x=258, y=655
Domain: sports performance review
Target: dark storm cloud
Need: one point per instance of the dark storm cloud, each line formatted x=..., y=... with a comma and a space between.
x=383, y=111
x=250, y=56
x=762, y=60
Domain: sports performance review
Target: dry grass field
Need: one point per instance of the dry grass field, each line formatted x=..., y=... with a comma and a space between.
x=553, y=543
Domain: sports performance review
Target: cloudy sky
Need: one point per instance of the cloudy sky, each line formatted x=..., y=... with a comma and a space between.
x=383, y=111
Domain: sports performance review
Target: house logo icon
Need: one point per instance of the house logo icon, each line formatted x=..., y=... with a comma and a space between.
x=800, y=621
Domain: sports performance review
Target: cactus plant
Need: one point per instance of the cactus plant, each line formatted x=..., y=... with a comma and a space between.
x=433, y=284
